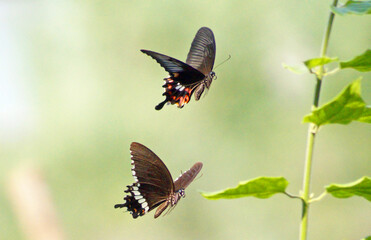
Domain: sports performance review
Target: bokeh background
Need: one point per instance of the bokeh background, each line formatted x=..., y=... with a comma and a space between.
x=75, y=91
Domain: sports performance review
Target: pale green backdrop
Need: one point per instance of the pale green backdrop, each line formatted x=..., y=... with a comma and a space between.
x=76, y=91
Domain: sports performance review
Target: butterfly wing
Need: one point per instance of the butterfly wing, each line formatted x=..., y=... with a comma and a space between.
x=184, y=73
x=187, y=177
x=201, y=56
x=181, y=82
x=153, y=182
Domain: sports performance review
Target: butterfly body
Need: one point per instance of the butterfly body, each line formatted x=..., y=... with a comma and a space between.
x=153, y=186
x=190, y=77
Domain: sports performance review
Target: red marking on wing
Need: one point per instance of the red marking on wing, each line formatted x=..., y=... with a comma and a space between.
x=176, y=93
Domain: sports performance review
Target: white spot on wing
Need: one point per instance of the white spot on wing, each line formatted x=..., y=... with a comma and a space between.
x=144, y=205
x=146, y=209
x=135, y=188
x=141, y=200
x=136, y=193
x=138, y=197
x=133, y=172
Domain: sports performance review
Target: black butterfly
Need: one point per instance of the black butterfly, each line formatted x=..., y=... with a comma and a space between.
x=193, y=76
x=154, y=186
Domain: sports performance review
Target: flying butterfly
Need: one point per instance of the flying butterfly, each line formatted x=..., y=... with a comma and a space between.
x=154, y=186
x=190, y=77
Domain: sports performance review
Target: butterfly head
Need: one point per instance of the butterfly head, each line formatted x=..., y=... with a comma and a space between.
x=181, y=193
x=177, y=196
x=212, y=75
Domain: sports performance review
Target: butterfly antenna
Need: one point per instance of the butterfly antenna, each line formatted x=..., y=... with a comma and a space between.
x=223, y=61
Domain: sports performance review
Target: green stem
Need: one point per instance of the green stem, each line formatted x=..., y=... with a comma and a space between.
x=312, y=130
x=292, y=196
x=306, y=182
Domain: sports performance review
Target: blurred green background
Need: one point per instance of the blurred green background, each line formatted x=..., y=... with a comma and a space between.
x=76, y=91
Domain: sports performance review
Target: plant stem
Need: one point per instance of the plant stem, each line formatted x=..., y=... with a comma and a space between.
x=291, y=196
x=312, y=130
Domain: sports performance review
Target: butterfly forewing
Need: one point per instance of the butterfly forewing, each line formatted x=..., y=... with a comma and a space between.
x=202, y=53
x=188, y=176
x=184, y=73
x=150, y=170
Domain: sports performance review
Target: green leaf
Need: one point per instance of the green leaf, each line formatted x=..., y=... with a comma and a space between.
x=360, y=63
x=315, y=62
x=361, y=188
x=366, y=115
x=295, y=69
x=262, y=187
x=366, y=238
x=353, y=7
x=343, y=109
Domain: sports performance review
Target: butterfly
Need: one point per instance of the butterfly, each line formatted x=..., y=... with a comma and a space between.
x=154, y=186
x=190, y=77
